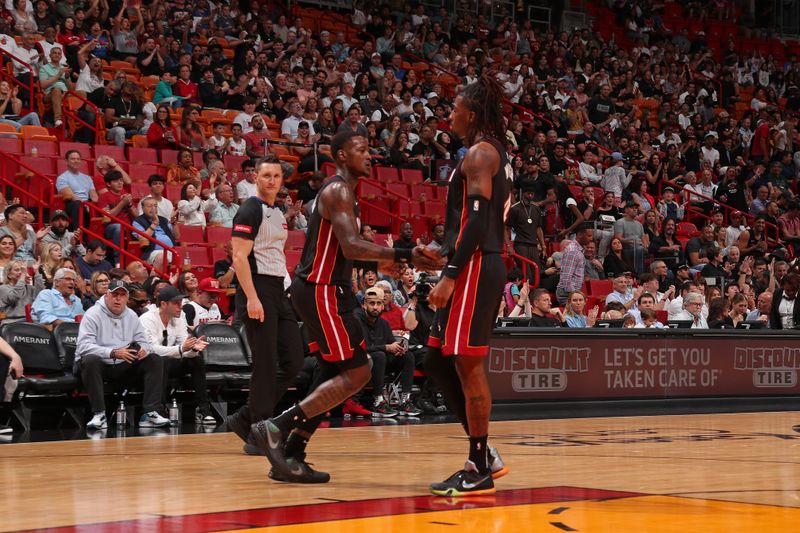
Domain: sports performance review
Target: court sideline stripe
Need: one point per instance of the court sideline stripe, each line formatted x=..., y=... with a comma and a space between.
x=325, y=512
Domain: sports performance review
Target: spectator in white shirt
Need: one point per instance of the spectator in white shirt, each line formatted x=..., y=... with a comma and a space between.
x=166, y=331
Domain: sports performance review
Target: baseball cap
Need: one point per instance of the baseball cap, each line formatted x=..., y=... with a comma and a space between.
x=670, y=189
x=532, y=160
x=170, y=294
x=117, y=284
x=374, y=292
x=617, y=156
x=682, y=266
x=432, y=95
x=59, y=214
x=210, y=285
x=631, y=204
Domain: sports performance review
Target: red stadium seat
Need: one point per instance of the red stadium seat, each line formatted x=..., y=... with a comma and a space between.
x=218, y=235
x=142, y=156
x=296, y=240
x=411, y=176
x=116, y=152
x=600, y=287
x=84, y=149
x=191, y=234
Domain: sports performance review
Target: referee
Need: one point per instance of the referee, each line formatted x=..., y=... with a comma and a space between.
x=259, y=234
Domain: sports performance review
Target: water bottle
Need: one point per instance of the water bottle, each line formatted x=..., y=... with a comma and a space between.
x=174, y=414
x=122, y=415
x=187, y=263
x=34, y=151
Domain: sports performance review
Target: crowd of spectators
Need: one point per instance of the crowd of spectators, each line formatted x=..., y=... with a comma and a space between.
x=667, y=167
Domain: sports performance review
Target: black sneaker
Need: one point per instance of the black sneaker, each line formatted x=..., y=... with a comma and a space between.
x=383, y=410
x=239, y=426
x=408, y=409
x=467, y=482
x=251, y=448
x=271, y=440
x=426, y=406
x=301, y=472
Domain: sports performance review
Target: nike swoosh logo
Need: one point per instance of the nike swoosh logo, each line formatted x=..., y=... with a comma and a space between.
x=272, y=443
x=296, y=470
x=470, y=486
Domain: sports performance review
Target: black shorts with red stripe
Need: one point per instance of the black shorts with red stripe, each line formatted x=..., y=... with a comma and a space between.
x=327, y=314
x=465, y=325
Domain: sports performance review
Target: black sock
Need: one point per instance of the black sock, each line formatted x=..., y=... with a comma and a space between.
x=479, y=452
x=290, y=418
x=295, y=445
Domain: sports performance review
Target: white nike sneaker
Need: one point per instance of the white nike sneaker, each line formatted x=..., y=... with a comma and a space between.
x=98, y=421
x=153, y=420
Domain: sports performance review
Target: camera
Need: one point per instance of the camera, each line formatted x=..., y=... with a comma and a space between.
x=134, y=346
x=425, y=283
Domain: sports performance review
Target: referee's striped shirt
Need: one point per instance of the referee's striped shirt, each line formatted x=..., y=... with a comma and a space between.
x=266, y=227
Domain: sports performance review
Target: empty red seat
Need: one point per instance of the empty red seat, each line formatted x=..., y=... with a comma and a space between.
x=218, y=235
x=385, y=174
x=43, y=147
x=115, y=152
x=411, y=176
x=296, y=240
x=191, y=234
x=143, y=156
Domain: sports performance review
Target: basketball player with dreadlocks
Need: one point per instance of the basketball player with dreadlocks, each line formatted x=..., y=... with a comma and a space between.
x=467, y=296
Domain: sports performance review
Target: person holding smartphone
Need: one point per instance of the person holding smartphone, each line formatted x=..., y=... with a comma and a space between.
x=112, y=346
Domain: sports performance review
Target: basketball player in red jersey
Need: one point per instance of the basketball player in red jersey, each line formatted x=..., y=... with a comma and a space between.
x=322, y=296
x=468, y=294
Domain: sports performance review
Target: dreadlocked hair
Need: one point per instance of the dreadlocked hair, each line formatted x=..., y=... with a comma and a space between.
x=485, y=98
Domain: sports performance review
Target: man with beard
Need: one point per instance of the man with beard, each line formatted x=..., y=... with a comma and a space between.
x=59, y=232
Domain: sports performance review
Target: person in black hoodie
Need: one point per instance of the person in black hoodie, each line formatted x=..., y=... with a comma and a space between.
x=785, y=314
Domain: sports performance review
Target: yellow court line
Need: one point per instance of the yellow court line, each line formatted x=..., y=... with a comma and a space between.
x=650, y=514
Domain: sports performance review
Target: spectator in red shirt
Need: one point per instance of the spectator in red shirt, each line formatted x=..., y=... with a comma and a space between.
x=186, y=87
x=761, y=148
x=118, y=203
x=161, y=133
x=254, y=141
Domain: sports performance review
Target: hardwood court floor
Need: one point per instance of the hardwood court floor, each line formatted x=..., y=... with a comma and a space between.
x=710, y=473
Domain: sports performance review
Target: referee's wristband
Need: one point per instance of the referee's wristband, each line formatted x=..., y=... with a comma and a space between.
x=403, y=254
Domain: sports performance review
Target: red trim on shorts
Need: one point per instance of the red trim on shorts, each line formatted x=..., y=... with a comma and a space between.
x=462, y=309
x=313, y=347
x=434, y=342
x=333, y=327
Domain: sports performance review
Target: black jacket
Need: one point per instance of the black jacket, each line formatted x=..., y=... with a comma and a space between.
x=376, y=334
x=775, y=317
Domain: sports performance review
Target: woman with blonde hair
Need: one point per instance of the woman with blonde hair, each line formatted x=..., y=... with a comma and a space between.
x=17, y=292
x=574, y=311
x=51, y=257
x=98, y=287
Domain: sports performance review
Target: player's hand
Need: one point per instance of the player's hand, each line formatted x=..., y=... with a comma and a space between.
x=255, y=310
x=442, y=292
x=426, y=259
x=391, y=268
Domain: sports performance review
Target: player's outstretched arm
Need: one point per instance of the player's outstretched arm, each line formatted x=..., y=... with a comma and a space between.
x=336, y=205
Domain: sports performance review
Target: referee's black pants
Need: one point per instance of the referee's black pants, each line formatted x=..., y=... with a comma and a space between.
x=276, y=345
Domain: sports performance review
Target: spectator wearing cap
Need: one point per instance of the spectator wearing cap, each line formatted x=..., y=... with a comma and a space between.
x=138, y=300
x=308, y=190
x=75, y=187
x=167, y=333
x=27, y=242
x=112, y=346
x=668, y=207
x=59, y=232
x=385, y=352
x=117, y=203
x=615, y=179
x=203, y=306
x=164, y=206
x=226, y=209
x=59, y=304
x=305, y=148
x=734, y=229
x=635, y=241
x=292, y=211
x=290, y=124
